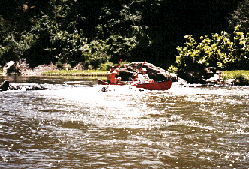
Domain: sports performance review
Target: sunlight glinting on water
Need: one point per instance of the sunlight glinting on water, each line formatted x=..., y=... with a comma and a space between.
x=121, y=107
x=84, y=126
x=114, y=108
x=181, y=90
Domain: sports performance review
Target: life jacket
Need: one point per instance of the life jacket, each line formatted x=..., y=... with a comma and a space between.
x=113, y=76
x=109, y=75
x=144, y=78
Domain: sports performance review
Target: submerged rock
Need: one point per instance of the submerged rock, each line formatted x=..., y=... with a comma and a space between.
x=4, y=86
x=15, y=88
x=105, y=89
x=39, y=87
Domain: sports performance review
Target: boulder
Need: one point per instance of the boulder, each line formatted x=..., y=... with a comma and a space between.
x=12, y=67
x=129, y=71
x=4, y=86
x=79, y=66
x=205, y=75
x=36, y=87
x=194, y=76
x=216, y=78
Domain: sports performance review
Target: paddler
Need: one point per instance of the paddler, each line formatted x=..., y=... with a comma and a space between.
x=111, y=76
x=144, y=78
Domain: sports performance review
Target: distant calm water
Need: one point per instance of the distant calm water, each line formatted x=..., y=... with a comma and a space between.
x=75, y=125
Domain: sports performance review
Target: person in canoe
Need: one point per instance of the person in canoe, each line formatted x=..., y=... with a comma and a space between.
x=144, y=78
x=111, y=76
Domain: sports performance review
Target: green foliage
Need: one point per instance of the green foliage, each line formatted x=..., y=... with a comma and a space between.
x=240, y=17
x=59, y=35
x=90, y=67
x=13, y=44
x=95, y=53
x=238, y=74
x=106, y=66
x=75, y=73
x=241, y=76
x=221, y=50
x=124, y=63
x=95, y=32
x=172, y=69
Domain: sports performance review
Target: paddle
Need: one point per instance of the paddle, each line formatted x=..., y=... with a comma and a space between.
x=138, y=72
x=118, y=65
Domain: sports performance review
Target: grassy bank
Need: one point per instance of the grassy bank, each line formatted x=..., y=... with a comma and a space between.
x=235, y=74
x=240, y=76
x=75, y=73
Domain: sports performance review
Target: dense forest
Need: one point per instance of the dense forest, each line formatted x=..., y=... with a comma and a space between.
x=95, y=32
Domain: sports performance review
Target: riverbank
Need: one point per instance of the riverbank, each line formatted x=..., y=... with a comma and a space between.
x=212, y=77
x=238, y=77
x=90, y=73
x=235, y=74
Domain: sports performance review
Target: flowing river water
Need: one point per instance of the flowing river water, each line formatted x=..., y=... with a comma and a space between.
x=74, y=124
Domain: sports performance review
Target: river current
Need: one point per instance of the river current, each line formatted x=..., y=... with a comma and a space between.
x=74, y=124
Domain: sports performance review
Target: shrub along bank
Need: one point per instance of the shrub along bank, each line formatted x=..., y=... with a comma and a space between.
x=224, y=51
x=241, y=77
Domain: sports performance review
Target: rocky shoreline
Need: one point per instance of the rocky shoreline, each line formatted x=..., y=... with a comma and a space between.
x=21, y=68
x=210, y=76
x=206, y=77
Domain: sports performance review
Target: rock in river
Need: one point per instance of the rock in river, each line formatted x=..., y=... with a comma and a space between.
x=5, y=85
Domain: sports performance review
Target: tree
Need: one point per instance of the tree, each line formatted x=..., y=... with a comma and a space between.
x=221, y=50
x=240, y=17
x=129, y=29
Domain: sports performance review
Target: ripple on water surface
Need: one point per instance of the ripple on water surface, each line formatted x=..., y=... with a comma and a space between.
x=83, y=127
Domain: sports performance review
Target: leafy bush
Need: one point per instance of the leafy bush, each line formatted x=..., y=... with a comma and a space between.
x=221, y=50
x=90, y=67
x=124, y=63
x=173, y=69
x=106, y=66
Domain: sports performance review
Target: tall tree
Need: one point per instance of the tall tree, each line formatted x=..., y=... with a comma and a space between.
x=84, y=30
x=240, y=16
x=169, y=21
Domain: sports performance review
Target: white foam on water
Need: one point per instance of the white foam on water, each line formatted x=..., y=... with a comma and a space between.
x=125, y=106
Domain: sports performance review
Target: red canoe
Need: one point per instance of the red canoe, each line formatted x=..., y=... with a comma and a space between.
x=150, y=86
x=104, y=82
x=156, y=85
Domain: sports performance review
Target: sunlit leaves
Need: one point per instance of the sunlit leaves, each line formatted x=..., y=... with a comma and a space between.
x=219, y=51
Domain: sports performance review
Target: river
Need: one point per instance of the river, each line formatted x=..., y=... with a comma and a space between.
x=74, y=124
